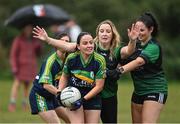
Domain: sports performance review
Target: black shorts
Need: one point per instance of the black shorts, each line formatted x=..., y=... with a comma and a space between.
x=158, y=97
x=93, y=104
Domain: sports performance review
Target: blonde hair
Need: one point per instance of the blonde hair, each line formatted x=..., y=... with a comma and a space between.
x=116, y=39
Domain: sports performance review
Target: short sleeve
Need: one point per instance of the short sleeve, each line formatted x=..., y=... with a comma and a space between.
x=150, y=53
x=46, y=76
x=102, y=68
x=66, y=65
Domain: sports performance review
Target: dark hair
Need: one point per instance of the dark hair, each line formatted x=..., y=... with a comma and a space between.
x=60, y=35
x=149, y=20
x=81, y=35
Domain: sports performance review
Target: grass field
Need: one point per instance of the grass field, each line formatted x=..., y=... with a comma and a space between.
x=170, y=114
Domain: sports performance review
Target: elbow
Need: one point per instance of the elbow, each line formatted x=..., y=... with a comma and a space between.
x=45, y=86
x=100, y=87
x=140, y=61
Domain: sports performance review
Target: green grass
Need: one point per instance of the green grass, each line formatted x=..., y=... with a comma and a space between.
x=170, y=113
x=171, y=110
x=15, y=117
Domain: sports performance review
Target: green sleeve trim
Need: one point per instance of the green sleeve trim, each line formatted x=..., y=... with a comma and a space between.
x=101, y=72
x=47, y=76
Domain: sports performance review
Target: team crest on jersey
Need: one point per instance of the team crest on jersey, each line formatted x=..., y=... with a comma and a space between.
x=92, y=74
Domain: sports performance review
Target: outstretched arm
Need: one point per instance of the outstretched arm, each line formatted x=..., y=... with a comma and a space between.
x=133, y=34
x=139, y=61
x=41, y=34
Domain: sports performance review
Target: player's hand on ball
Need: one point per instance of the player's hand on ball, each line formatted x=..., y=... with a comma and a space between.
x=77, y=104
x=58, y=97
x=69, y=95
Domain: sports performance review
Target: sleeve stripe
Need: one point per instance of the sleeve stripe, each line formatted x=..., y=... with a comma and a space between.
x=100, y=59
x=49, y=63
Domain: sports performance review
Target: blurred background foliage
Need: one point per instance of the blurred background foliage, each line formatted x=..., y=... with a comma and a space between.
x=89, y=13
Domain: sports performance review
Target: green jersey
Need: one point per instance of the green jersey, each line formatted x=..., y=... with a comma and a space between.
x=150, y=77
x=110, y=86
x=50, y=73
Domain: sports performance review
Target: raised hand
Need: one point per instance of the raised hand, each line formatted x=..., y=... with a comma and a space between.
x=133, y=33
x=40, y=33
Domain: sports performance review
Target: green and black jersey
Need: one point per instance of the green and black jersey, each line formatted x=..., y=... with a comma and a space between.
x=110, y=86
x=150, y=77
x=50, y=73
x=82, y=75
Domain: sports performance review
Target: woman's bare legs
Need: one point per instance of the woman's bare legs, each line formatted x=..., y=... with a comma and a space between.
x=136, y=112
x=49, y=116
x=13, y=95
x=76, y=116
x=62, y=113
x=151, y=111
x=92, y=116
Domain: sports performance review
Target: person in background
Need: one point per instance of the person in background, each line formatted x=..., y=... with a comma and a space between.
x=73, y=29
x=43, y=93
x=23, y=59
x=150, y=85
x=55, y=29
x=85, y=70
x=108, y=45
